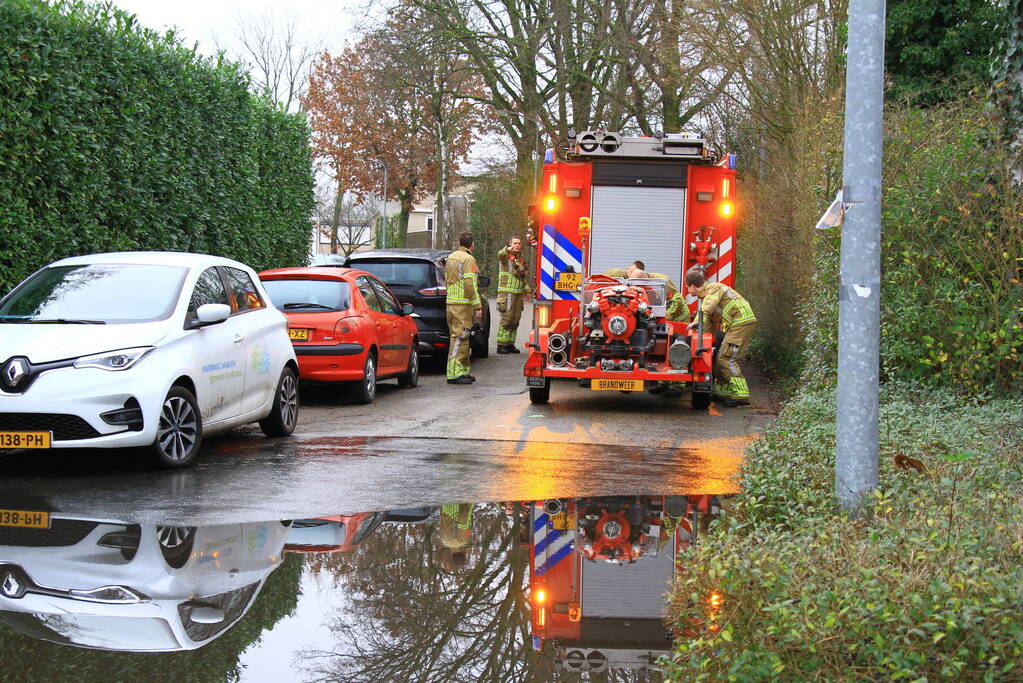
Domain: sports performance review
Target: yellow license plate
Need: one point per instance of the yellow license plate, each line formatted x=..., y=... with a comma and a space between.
x=563, y=521
x=25, y=518
x=25, y=439
x=298, y=335
x=617, y=385
x=568, y=281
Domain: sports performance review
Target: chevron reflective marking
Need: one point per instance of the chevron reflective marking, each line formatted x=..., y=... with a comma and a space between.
x=550, y=546
x=557, y=253
x=725, y=247
x=724, y=271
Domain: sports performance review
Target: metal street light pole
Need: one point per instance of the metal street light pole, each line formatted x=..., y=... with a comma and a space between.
x=859, y=308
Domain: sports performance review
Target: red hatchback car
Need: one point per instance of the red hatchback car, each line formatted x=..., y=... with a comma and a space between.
x=346, y=326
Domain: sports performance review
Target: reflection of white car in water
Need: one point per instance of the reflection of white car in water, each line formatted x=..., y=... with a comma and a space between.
x=141, y=588
x=151, y=349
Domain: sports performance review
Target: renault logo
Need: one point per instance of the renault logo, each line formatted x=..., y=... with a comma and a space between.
x=15, y=370
x=10, y=585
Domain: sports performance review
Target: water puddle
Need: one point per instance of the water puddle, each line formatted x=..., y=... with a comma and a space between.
x=540, y=590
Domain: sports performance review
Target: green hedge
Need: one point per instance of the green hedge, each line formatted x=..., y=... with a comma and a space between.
x=952, y=259
x=927, y=587
x=114, y=137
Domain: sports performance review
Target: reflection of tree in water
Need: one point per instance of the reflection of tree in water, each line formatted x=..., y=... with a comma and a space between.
x=418, y=612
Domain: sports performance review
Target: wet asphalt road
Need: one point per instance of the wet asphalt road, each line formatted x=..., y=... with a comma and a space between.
x=434, y=444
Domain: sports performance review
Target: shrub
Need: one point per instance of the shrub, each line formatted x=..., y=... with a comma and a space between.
x=113, y=137
x=926, y=586
x=952, y=259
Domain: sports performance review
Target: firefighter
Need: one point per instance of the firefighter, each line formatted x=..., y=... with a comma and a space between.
x=719, y=301
x=511, y=293
x=463, y=307
x=636, y=270
x=676, y=310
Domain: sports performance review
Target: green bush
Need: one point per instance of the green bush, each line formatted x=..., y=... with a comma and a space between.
x=928, y=585
x=952, y=258
x=113, y=137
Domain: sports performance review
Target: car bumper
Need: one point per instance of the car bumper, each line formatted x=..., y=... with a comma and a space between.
x=69, y=403
x=334, y=363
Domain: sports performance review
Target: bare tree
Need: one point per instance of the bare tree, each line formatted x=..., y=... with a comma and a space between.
x=345, y=220
x=277, y=57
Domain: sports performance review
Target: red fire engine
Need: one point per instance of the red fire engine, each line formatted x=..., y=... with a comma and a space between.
x=607, y=201
x=599, y=570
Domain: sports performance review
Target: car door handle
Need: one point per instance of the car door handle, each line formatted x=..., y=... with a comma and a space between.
x=238, y=339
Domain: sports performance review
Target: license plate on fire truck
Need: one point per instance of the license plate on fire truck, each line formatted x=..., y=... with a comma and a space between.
x=617, y=385
x=567, y=281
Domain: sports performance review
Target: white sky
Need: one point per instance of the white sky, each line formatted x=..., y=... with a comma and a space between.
x=214, y=25
x=213, y=22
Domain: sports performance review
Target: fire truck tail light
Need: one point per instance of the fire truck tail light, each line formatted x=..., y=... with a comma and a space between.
x=540, y=596
x=543, y=316
x=550, y=204
x=553, y=184
x=727, y=209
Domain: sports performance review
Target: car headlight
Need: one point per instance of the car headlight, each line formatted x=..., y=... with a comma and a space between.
x=121, y=359
x=110, y=595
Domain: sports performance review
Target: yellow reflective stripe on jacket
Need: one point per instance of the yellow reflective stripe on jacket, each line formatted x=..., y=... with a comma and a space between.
x=512, y=276
x=507, y=282
x=734, y=311
x=461, y=266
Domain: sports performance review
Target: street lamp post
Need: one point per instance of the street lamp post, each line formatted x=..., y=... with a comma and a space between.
x=383, y=200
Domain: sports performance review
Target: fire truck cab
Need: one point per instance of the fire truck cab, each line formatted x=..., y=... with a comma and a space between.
x=607, y=201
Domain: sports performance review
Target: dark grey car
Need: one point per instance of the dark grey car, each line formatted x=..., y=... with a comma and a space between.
x=416, y=276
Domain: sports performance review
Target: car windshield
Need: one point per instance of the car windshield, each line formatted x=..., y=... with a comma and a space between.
x=96, y=293
x=309, y=295
x=415, y=274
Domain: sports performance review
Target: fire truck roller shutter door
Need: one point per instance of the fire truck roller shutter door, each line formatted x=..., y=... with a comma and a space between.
x=645, y=223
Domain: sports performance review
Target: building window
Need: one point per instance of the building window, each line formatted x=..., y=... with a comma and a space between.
x=429, y=224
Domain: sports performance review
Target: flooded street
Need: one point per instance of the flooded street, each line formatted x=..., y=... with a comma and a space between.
x=498, y=591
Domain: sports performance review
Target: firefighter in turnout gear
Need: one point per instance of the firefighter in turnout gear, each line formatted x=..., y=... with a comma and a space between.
x=721, y=302
x=676, y=310
x=463, y=307
x=511, y=293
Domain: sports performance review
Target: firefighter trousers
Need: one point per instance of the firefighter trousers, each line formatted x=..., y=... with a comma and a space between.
x=731, y=383
x=510, y=306
x=459, y=326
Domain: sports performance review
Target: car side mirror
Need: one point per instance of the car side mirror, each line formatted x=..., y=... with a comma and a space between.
x=209, y=314
x=204, y=613
x=484, y=281
x=407, y=309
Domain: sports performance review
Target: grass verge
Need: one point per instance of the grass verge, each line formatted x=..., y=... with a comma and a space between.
x=927, y=586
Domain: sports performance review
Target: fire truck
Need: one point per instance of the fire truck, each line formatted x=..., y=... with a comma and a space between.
x=607, y=201
x=599, y=570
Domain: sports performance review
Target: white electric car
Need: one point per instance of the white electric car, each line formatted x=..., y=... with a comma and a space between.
x=151, y=349
x=114, y=585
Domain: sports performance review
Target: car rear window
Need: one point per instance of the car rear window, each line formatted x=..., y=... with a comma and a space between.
x=309, y=295
x=414, y=274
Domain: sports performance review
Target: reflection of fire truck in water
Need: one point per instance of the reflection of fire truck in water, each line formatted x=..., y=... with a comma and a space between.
x=608, y=201
x=599, y=570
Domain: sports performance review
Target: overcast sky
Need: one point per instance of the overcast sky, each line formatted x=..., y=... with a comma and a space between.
x=215, y=22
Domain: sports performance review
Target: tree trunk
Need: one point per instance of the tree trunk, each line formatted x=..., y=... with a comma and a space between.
x=337, y=220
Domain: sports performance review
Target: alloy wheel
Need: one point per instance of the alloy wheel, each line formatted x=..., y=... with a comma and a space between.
x=179, y=429
x=289, y=401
